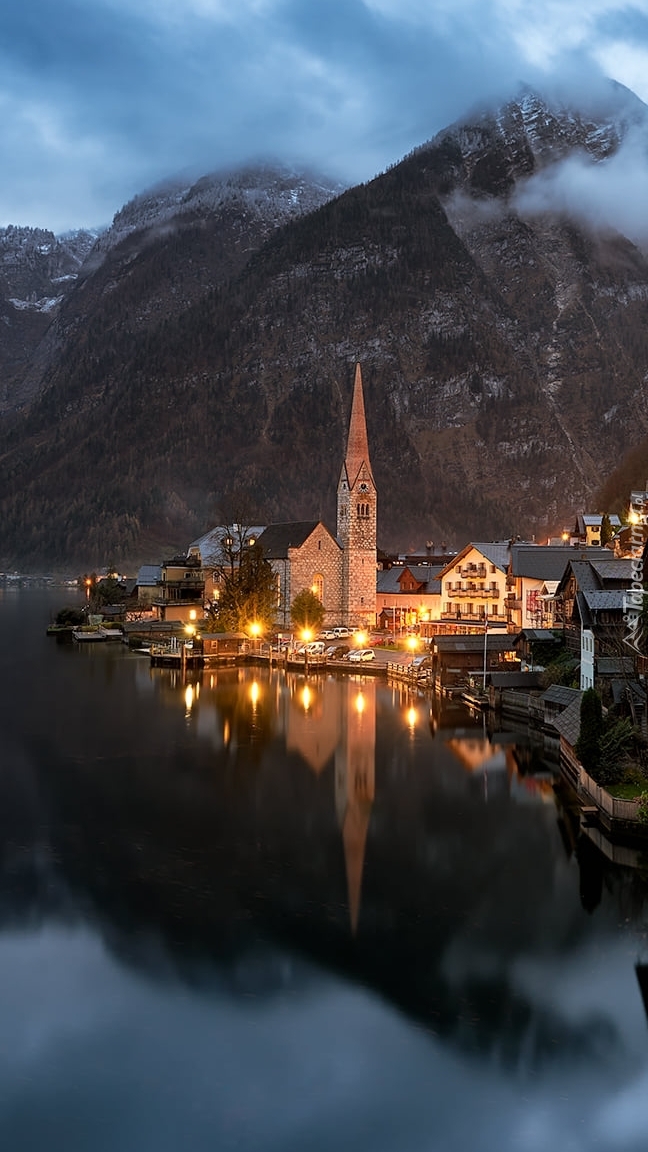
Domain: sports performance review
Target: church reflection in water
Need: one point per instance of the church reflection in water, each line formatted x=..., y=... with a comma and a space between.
x=252, y=716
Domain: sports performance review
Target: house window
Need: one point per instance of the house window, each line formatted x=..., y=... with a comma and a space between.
x=317, y=586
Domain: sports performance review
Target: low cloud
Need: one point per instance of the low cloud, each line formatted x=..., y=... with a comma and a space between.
x=609, y=195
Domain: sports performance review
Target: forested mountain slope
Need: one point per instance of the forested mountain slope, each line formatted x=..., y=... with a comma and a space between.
x=504, y=354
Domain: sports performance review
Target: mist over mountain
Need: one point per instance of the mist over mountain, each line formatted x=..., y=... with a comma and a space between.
x=207, y=345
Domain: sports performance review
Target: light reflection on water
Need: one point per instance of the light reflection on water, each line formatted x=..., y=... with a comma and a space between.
x=250, y=911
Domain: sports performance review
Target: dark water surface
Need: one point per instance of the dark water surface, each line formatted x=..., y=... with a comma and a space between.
x=237, y=916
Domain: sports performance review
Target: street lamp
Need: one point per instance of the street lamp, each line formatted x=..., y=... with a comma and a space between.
x=255, y=631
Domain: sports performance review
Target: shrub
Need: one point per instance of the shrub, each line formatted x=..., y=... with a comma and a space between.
x=642, y=813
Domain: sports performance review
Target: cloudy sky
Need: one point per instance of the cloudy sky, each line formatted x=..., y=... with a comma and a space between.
x=101, y=98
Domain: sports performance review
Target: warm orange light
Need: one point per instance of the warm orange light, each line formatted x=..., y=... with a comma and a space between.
x=306, y=635
x=189, y=699
x=360, y=703
x=412, y=717
x=360, y=638
x=412, y=643
x=306, y=697
x=192, y=614
x=255, y=692
x=255, y=629
x=633, y=517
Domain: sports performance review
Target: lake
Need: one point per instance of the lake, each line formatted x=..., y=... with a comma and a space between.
x=251, y=912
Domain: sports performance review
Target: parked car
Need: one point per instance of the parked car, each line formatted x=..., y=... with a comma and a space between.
x=341, y=631
x=360, y=655
x=329, y=634
x=337, y=651
x=423, y=660
x=316, y=648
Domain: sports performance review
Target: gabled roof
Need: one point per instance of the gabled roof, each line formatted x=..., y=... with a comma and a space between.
x=560, y=694
x=495, y=552
x=540, y=561
x=388, y=580
x=567, y=723
x=474, y=642
x=277, y=539
x=616, y=571
x=585, y=576
x=149, y=576
x=211, y=546
x=610, y=601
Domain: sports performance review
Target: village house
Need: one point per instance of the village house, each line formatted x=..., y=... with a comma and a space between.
x=590, y=605
x=533, y=574
x=473, y=587
x=409, y=596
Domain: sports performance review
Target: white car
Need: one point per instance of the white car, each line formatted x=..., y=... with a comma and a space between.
x=361, y=655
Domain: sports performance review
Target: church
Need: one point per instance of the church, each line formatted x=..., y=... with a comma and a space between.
x=340, y=569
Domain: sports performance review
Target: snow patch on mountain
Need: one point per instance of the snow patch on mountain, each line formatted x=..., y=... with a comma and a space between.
x=274, y=193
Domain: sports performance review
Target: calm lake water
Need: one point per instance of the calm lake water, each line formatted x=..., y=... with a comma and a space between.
x=249, y=913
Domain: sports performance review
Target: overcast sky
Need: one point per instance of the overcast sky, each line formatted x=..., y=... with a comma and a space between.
x=101, y=98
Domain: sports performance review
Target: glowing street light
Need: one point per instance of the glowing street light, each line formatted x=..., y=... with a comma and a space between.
x=307, y=636
x=255, y=630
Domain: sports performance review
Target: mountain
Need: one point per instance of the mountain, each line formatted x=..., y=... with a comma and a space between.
x=37, y=271
x=207, y=350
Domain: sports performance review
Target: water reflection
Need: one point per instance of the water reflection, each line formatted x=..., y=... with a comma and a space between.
x=336, y=891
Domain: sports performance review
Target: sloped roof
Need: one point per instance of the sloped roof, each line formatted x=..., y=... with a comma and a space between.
x=149, y=576
x=276, y=540
x=525, y=680
x=611, y=600
x=567, y=723
x=387, y=580
x=474, y=642
x=210, y=543
x=560, y=694
x=497, y=552
x=615, y=666
x=544, y=634
x=540, y=562
x=586, y=576
x=617, y=570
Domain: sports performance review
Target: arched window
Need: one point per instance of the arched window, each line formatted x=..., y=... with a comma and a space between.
x=317, y=587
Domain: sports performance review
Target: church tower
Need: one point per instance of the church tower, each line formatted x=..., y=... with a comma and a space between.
x=356, y=520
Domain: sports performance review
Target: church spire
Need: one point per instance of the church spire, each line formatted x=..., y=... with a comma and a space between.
x=357, y=452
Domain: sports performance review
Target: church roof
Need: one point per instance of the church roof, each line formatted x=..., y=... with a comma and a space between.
x=278, y=538
x=357, y=452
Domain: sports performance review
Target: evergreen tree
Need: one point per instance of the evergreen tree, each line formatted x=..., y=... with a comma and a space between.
x=588, y=745
x=248, y=594
x=307, y=611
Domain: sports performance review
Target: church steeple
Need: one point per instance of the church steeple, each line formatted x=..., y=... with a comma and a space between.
x=357, y=452
x=356, y=519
